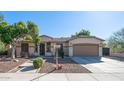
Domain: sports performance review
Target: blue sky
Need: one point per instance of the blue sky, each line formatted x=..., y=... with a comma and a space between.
x=63, y=24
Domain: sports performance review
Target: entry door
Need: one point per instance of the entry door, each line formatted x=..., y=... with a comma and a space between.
x=42, y=49
x=24, y=49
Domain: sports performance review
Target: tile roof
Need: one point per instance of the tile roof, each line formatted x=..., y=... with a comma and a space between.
x=64, y=39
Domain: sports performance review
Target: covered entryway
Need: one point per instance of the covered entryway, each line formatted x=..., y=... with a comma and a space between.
x=24, y=49
x=86, y=50
x=42, y=49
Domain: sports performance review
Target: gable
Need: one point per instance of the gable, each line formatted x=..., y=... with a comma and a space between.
x=85, y=41
x=46, y=38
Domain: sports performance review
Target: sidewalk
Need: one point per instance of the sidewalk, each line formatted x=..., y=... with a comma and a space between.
x=61, y=77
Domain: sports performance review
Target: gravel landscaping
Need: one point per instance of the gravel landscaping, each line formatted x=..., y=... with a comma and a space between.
x=7, y=65
x=69, y=66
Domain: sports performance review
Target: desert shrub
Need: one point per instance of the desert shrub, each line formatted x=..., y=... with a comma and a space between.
x=61, y=53
x=38, y=62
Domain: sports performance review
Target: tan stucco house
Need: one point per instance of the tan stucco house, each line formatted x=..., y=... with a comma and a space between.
x=81, y=46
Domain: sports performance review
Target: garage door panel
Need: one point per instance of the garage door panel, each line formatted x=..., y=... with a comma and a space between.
x=85, y=50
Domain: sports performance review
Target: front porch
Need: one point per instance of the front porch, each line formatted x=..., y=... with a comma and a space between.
x=48, y=48
x=25, y=49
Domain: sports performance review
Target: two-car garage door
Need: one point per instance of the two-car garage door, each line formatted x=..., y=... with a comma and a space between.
x=85, y=50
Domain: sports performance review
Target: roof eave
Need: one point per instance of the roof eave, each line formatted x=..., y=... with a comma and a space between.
x=87, y=37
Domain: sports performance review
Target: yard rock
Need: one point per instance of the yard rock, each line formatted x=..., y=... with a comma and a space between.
x=15, y=60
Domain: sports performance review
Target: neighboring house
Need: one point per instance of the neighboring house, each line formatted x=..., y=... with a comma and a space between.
x=81, y=46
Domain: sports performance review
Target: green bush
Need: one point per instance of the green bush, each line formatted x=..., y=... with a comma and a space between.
x=62, y=54
x=38, y=62
x=4, y=52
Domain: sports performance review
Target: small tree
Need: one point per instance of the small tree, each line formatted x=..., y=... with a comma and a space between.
x=10, y=34
x=83, y=32
x=104, y=44
x=116, y=41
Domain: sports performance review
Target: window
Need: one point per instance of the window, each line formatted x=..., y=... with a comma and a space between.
x=24, y=47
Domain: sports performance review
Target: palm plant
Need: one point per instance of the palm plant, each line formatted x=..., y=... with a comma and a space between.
x=34, y=33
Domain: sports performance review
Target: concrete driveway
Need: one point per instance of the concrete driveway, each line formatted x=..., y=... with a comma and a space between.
x=104, y=68
x=101, y=65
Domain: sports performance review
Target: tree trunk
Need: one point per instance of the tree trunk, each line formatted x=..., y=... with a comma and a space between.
x=13, y=52
x=36, y=48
